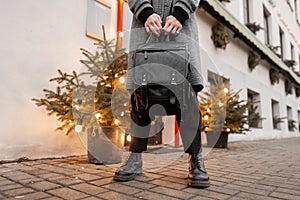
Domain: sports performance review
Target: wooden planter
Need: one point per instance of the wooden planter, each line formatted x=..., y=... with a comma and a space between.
x=217, y=139
x=105, y=145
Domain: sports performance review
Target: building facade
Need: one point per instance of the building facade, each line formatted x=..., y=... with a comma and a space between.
x=40, y=37
x=250, y=60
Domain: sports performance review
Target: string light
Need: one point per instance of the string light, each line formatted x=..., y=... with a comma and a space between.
x=208, y=110
x=70, y=122
x=116, y=121
x=122, y=80
x=97, y=115
x=123, y=137
x=77, y=107
x=226, y=90
x=206, y=117
x=78, y=128
x=128, y=138
x=228, y=130
x=122, y=114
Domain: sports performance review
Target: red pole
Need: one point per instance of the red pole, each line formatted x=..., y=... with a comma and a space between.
x=120, y=21
x=177, y=134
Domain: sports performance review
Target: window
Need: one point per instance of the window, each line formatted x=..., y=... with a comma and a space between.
x=275, y=115
x=291, y=122
x=292, y=52
x=290, y=5
x=298, y=64
x=281, y=38
x=267, y=26
x=246, y=11
x=254, y=112
x=296, y=10
x=299, y=120
x=98, y=15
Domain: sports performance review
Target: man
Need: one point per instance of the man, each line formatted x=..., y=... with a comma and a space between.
x=164, y=17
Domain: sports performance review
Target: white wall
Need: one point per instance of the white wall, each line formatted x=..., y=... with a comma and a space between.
x=36, y=39
x=232, y=63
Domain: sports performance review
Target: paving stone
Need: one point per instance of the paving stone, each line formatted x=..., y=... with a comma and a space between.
x=91, y=198
x=67, y=193
x=251, y=196
x=121, y=188
x=49, y=175
x=207, y=193
x=288, y=191
x=5, y=182
x=87, y=177
x=169, y=184
x=10, y=186
x=199, y=197
x=171, y=192
x=103, y=181
x=152, y=195
x=30, y=180
x=18, y=191
x=284, y=195
x=139, y=184
x=66, y=181
x=33, y=196
x=43, y=185
x=223, y=190
x=111, y=195
x=247, y=189
x=88, y=189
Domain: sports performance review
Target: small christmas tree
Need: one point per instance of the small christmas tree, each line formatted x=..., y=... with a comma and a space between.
x=222, y=109
x=80, y=105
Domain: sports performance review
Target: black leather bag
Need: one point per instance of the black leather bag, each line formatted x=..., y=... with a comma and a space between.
x=160, y=70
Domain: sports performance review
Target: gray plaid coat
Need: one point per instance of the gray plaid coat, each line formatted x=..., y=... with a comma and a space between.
x=188, y=34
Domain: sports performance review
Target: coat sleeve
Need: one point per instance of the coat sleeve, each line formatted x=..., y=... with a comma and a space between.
x=189, y=6
x=137, y=6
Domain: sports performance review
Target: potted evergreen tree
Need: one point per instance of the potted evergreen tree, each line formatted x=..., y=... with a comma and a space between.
x=83, y=102
x=223, y=112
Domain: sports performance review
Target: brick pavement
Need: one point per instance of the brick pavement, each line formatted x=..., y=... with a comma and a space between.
x=265, y=170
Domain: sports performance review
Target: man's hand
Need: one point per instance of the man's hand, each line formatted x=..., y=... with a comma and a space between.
x=172, y=26
x=153, y=24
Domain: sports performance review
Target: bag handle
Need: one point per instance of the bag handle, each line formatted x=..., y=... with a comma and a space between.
x=161, y=38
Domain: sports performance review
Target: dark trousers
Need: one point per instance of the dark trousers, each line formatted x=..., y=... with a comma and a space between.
x=188, y=119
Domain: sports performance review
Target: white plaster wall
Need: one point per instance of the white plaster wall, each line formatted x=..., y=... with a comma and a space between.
x=233, y=64
x=36, y=39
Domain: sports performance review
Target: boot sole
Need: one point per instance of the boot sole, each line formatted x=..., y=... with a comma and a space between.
x=121, y=178
x=198, y=184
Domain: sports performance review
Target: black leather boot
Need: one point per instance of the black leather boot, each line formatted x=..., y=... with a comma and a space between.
x=197, y=176
x=132, y=167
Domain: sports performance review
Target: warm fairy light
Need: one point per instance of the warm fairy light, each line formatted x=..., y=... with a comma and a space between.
x=116, y=75
x=206, y=128
x=122, y=114
x=122, y=80
x=123, y=137
x=78, y=128
x=228, y=130
x=70, y=122
x=208, y=110
x=121, y=34
x=205, y=117
x=128, y=138
x=97, y=115
x=116, y=121
x=77, y=107
x=225, y=90
x=125, y=104
x=221, y=104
